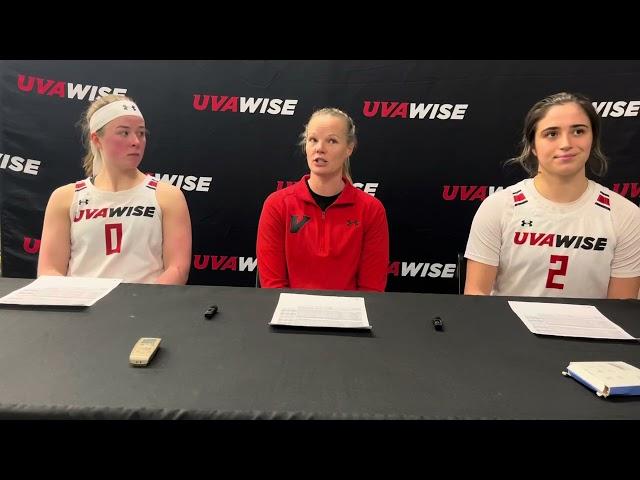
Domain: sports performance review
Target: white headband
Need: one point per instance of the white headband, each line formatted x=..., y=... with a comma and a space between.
x=103, y=116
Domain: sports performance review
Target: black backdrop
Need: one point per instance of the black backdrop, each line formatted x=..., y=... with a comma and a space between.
x=430, y=173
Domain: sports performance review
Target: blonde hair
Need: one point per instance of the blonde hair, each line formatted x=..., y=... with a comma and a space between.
x=97, y=104
x=351, y=134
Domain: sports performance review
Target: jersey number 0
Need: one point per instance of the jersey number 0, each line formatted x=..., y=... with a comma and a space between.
x=113, y=237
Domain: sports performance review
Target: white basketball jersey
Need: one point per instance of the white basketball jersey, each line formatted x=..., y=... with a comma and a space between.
x=116, y=234
x=556, y=250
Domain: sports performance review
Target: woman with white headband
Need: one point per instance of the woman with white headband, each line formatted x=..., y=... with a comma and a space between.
x=117, y=222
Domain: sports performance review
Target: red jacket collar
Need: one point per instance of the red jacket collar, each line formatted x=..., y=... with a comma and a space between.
x=347, y=196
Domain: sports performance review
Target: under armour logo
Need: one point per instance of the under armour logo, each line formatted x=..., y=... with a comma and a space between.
x=297, y=225
x=353, y=222
x=86, y=202
x=527, y=222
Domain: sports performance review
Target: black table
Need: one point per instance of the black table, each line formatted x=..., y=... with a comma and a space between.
x=59, y=363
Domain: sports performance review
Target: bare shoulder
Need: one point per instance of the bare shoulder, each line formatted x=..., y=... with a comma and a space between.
x=168, y=194
x=63, y=195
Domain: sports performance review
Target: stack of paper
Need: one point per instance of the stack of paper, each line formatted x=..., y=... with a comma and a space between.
x=567, y=320
x=606, y=378
x=320, y=311
x=62, y=291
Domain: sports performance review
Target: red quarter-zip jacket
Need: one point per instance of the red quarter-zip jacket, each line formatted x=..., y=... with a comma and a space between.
x=346, y=247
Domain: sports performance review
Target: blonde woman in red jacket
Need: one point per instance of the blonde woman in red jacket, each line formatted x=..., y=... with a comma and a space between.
x=323, y=233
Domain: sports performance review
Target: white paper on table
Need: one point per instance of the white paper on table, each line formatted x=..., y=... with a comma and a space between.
x=566, y=320
x=59, y=290
x=320, y=311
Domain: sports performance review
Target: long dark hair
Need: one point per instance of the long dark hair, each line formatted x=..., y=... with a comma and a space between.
x=597, y=161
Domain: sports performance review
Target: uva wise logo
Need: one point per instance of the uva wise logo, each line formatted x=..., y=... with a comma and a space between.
x=617, y=109
x=421, y=111
x=224, y=262
x=19, y=164
x=422, y=269
x=224, y=103
x=188, y=183
x=369, y=187
x=78, y=91
x=627, y=189
x=468, y=192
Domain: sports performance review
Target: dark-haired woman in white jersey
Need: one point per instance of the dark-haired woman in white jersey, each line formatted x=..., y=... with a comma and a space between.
x=557, y=234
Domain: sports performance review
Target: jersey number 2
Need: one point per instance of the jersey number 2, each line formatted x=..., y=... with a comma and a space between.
x=563, y=260
x=113, y=237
